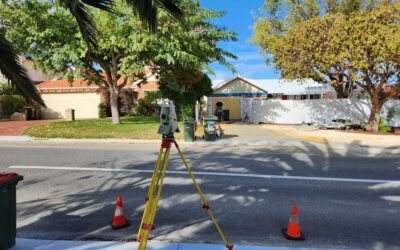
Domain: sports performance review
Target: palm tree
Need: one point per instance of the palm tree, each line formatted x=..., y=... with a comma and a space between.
x=11, y=68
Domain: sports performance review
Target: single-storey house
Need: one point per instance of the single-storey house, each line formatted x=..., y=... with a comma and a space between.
x=59, y=95
x=228, y=95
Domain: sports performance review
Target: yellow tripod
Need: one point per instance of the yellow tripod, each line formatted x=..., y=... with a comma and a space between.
x=153, y=195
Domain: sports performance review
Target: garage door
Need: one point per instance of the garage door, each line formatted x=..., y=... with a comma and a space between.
x=85, y=105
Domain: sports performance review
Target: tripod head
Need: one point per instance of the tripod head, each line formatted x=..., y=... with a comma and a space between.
x=168, y=120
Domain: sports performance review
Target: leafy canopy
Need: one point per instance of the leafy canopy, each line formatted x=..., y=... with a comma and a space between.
x=276, y=27
x=361, y=49
x=11, y=68
x=55, y=42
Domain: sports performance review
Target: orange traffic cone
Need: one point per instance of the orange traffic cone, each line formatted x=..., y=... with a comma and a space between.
x=119, y=220
x=293, y=230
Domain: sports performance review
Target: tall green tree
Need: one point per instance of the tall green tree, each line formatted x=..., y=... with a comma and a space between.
x=124, y=45
x=313, y=49
x=364, y=47
x=276, y=17
x=374, y=54
x=12, y=69
x=185, y=88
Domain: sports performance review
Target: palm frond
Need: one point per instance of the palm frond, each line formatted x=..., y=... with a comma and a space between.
x=171, y=7
x=85, y=22
x=147, y=10
x=103, y=4
x=11, y=69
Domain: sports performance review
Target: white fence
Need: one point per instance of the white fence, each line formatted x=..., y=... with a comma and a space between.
x=299, y=111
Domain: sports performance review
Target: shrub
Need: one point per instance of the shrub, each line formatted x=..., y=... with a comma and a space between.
x=103, y=112
x=147, y=109
x=125, y=101
x=382, y=127
x=7, y=89
x=148, y=105
x=185, y=112
x=11, y=104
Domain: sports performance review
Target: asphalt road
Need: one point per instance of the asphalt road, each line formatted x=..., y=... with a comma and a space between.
x=345, y=200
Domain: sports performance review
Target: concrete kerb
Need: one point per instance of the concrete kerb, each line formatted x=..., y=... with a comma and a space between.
x=32, y=244
x=365, y=149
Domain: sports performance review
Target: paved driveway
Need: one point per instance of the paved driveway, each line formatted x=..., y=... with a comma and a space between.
x=250, y=132
x=12, y=128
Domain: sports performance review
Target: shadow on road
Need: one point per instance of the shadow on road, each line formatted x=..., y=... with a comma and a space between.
x=250, y=210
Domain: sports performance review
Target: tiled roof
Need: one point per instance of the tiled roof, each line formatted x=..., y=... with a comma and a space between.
x=63, y=85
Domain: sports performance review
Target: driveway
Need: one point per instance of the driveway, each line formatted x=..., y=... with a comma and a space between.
x=250, y=132
x=13, y=128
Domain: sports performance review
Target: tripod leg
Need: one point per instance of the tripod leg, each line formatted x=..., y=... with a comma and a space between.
x=151, y=187
x=151, y=205
x=203, y=198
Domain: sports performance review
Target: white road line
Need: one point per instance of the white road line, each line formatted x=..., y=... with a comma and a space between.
x=226, y=174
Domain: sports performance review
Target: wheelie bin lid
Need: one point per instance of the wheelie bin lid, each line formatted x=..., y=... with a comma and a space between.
x=6, y=178
x=189, y=121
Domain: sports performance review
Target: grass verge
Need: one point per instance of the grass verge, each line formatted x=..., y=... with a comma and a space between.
x=130, y=128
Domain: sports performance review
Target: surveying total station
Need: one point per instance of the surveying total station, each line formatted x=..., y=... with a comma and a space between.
x=168, y=126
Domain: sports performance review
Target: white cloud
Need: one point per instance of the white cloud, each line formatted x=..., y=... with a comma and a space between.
x=248, y=70
x=221, y=75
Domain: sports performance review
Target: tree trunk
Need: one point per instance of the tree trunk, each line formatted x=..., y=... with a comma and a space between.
x=342, y=93
x=374, y=117
x=114, y=106
x=339, y=91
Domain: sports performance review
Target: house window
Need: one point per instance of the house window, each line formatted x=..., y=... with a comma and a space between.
x=316, y=96
x=303, y=97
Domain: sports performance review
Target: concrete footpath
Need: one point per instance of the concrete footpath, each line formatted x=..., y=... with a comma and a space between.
x=28, y=244
x=352, y=147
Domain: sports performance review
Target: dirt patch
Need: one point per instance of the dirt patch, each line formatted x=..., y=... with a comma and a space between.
x=367, y=132
x=334, y=136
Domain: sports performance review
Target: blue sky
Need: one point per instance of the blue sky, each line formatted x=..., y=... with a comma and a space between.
x=239, y=18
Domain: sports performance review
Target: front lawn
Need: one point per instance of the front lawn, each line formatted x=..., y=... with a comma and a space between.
x=130, y=128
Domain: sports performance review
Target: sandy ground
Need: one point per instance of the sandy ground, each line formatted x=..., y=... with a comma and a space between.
x=333, y=136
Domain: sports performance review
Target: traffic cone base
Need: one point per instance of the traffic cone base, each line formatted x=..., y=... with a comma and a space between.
x=121, y=226
x=287, y=236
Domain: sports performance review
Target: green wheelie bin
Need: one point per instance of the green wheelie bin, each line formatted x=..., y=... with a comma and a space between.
x=8, y=207
x=189, y=131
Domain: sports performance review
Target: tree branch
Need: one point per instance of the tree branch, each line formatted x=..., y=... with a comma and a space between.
x=124, y=83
